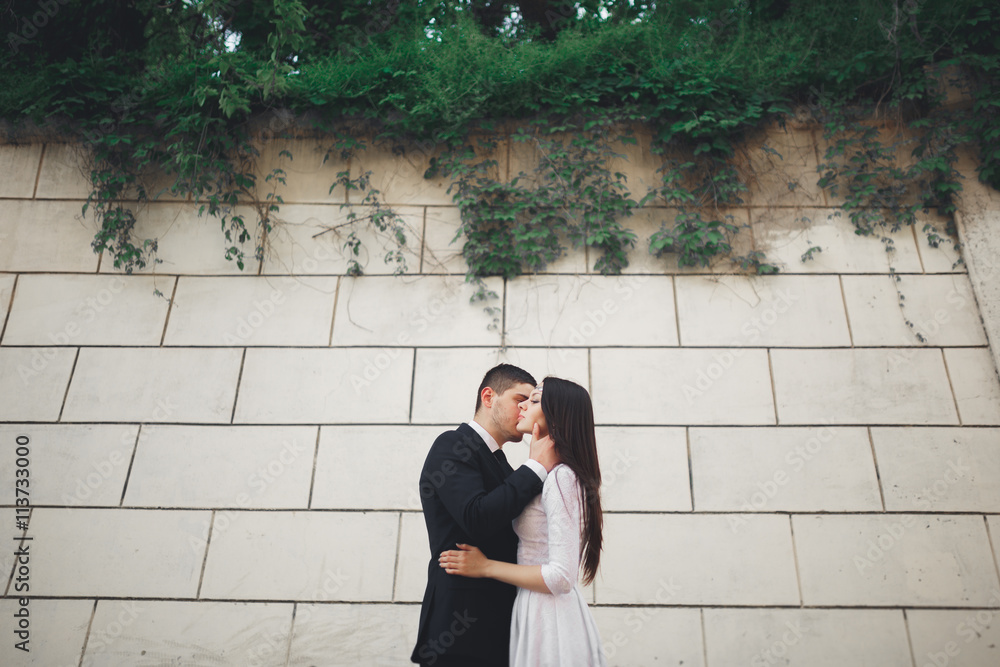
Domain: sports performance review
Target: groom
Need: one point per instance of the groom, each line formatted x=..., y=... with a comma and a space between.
x=470, y=495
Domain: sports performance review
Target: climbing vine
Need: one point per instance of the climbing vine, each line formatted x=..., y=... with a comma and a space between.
x=177, y=91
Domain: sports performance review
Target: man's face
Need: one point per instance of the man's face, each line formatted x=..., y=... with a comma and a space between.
x=504, y=411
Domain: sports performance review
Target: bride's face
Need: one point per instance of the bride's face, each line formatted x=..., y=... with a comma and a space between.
x=531, y=413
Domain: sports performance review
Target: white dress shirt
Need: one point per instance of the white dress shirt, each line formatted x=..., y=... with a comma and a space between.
x=537, y=467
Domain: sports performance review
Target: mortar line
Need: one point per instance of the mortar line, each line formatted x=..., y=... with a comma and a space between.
x=457, y=274
x=847, y=315
x=13, y=565
x=795, y=560
x=413, y=386
x=728, y=425
x=381, y=510
x=909, y=639
x=399, y=542
x=993, y=551
x=312, y=478
x=347, y=190
x=38, y=172
x=774, y=391
x=488, y=346
x=204, y=560
x=291, y=633
x=423, y=242
x=704, y=637
x=86, y=635
x=677, y=312
x=878, y=473
x=170, y=308
x=916, y=244
x=10, y=307
x=590, y=371
x=503, y=318
x=416, y=603
x=69, y=382
x=128, y=471
x=815, y=143
x=687, y=438
x=263, y=244
x=333, y=316
x=239, y=380
x=951, y=385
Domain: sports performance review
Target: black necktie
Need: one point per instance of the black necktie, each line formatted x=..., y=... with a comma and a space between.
x=502, y=458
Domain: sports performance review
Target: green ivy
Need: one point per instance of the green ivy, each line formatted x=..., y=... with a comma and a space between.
x=572, y=196
x=178, y=88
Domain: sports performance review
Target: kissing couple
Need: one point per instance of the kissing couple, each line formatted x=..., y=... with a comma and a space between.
x=508, y=546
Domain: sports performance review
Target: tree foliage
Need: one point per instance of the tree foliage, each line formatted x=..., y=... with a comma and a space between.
x=182, y=86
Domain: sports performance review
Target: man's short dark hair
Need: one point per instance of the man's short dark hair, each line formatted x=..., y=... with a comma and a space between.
x=501, y=378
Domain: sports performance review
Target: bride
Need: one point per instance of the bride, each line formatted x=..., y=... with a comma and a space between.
x=559, y=532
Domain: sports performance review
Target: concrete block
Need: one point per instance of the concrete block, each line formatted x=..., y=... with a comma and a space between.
x=783, y=469
x=113, y=384
x=318, y=554
x=421, y=311
x=252, y=310
x=692, y=386
x=862, y=386
x=117, y=552
x=815, y=637
x=19, y=165
x=56, y=634
x=974, y=381
x=312, y=239
x=696, y=559
x=941, y=308
x=189, y=633
x=591, y=311
x=59, y=309
x=313, y=386
x=33, y=381
x=46, y=236
x=910, y=560
x=643, y=469
x=65, y=172
x=785, y=235
x=758, y=311
x=246, y=467
x=74, y=464
x=939, y=469
x=354, y=634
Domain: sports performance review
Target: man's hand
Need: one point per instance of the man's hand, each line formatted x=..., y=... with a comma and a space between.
x=543, y=450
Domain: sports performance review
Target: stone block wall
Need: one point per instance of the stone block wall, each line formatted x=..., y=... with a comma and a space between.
x=227, y=473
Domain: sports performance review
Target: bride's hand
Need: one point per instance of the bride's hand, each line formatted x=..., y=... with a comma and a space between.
x=468, y=562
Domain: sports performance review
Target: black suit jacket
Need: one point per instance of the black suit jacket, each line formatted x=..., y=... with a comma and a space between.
x=469, y=497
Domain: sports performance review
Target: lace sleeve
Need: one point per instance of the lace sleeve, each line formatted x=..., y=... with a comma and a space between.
x=563, y=508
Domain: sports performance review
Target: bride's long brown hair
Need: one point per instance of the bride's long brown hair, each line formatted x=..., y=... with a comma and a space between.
x=569, y=416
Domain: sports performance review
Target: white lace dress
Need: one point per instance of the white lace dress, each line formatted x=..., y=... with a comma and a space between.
x=553, y=629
